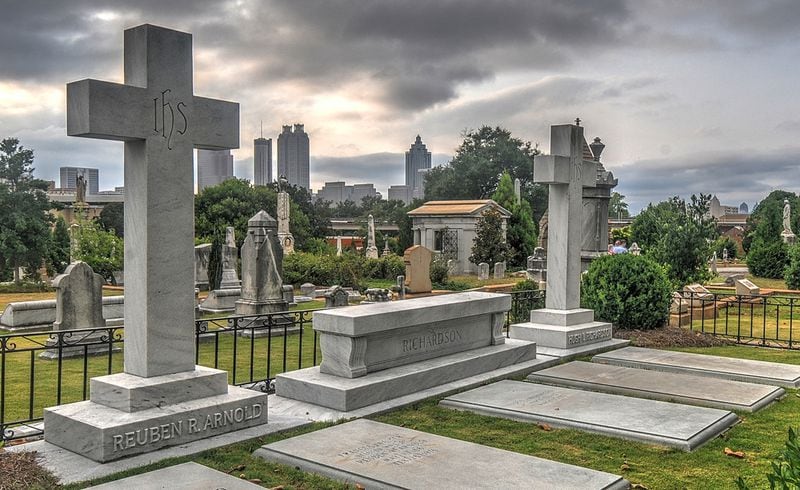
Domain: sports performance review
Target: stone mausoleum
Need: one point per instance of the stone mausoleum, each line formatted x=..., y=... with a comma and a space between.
x=448, y=228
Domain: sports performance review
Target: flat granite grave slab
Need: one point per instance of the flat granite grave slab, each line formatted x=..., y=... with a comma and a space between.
x=655, y=422
x=671, y=387
x=346, y=394
x=384, y=456
x=186, y=476
x=761, y=372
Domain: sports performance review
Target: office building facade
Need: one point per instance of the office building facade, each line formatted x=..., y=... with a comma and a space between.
x=262, y=161
x=418, y=161
x=213, y=167
x=69, y=178
x=293, y=155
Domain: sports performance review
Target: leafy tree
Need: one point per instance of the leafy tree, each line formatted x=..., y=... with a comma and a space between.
x=617, y=207
x=215, y=260
x=59, y=252
x=726, y=243
x=792, y=272
x=768, y=259
x=521, y=229
x=489, y=245
x=234, y=201
x=112, y=217
x=475, y=170
x=405, y=237
x=677, y=234
x=346, y=209
x=24, y=221
x=766, y=221
x=102, y=250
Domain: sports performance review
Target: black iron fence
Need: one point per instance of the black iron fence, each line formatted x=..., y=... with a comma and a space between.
x=47, y=369
x=765, y=320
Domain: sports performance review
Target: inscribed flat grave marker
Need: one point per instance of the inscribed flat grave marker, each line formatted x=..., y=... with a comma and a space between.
x=761, y=372
x=674, y=387
x=378, y=455
x=669, y=424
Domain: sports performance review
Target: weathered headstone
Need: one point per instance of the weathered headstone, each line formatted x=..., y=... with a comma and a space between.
x=79, y=304
x=288, y=294
x=377, y=295
x=202, y=253
x=483, y=271
x=563, y=327
x=230, y=256
x=418, y=269
x=537, y=267
x=161, y=399
x=499, y=270
x=338, y=245
x=308, y=289
x=745, y=287
x=262, y=262
x=336, y=297
x=517, y=191
x=285, y=236
x=372, y=249
x=74, y=228
x=386, y=251
x=452, y=267
x=725, y=255
x=698, y=295
x=401, y=287
x=714, y=263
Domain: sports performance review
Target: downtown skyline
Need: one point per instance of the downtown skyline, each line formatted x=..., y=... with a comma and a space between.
x=688, y=97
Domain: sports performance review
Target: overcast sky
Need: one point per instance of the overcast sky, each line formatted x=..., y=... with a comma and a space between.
x=688, y=96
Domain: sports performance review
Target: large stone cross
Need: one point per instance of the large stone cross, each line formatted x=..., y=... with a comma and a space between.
x=161, y=121
x=567, y=173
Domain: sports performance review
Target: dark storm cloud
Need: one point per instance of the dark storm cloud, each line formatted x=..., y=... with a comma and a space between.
x=419, y=53
x=733, y=177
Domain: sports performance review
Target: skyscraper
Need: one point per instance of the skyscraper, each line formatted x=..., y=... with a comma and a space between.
x=69, y=176
x=213, y=167
x=262, y=161
x=418, y=161
x=293, y=155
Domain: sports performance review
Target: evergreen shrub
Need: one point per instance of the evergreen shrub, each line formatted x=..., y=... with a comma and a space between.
x=792, y=274
x=630, y=291
x=768, y=259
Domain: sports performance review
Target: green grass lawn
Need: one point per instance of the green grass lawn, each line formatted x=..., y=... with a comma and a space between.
x=760, y=436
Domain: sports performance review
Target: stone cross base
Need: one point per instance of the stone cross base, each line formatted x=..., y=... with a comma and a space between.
x=128, y=414
x=565, y=333
x=788, y=237
x=372, y=252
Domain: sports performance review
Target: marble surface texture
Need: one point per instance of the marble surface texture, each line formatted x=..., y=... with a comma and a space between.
x=762, y=372
x=683, y=427
x=378, y=455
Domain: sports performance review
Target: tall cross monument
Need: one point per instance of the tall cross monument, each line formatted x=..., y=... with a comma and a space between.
x=161, y=122
x=162, y=398
x=563, y=326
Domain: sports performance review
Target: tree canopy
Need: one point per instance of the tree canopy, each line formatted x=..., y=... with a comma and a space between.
x=617, y=207
x=489, y=245
x=521, y=230
x=25, y=221
x=678, y=235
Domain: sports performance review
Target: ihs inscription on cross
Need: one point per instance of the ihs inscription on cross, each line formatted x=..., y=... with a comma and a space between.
x=161, y=121
x=567, y=173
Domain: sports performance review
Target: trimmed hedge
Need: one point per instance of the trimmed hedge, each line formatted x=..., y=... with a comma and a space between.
x=630, y=291
x=768, y=259
x=348, y=270
x=792, y=274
